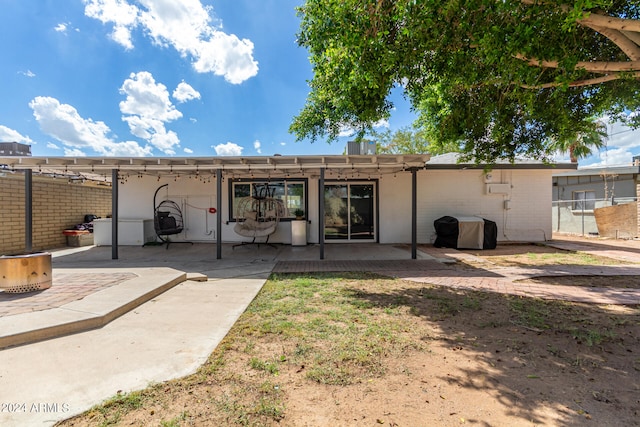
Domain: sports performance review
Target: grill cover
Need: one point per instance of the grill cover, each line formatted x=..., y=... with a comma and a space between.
x=465, y=233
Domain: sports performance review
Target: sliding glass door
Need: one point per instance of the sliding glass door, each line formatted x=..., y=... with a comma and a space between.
x=349, y=212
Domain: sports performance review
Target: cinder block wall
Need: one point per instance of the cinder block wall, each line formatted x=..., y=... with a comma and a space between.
x=57, y=205
x=463, y=193
x=638, y=205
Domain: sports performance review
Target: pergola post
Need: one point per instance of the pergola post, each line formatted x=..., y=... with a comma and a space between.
x=414, y=213
x=28, y=210
x=219, y=214
x=114, y=213
x=321, y=212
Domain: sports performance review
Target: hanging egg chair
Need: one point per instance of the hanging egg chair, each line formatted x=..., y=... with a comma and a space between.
x=167, y=219
x=258, y=217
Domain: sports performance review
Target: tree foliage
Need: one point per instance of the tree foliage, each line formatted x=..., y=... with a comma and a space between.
x=498, y=79
x=407, y=140
x=584, y=143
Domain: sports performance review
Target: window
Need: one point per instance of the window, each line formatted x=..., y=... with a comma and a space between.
x=291, y=192
x=584, y=200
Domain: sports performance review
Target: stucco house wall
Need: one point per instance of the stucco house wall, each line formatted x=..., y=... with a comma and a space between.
x=455, y=192
x=522, y=214
x=395, y=208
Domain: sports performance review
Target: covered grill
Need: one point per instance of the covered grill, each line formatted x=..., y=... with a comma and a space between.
x=465, y=232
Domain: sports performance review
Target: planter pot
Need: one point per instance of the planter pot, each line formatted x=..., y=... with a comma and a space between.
x=25, y=272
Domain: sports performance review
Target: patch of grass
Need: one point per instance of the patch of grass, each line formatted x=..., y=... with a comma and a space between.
x=444, y=305
x=269, y=366
x=592, y=337
x=271, y=408
x=557, y=257
x=234, y=410
x=342, y=333
x=471, y=303
x=215, y=363
x=112, y=411
x=176, y=421
x=530, y=312
x=241, y=411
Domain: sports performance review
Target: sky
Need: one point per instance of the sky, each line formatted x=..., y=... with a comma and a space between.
x=170, y=78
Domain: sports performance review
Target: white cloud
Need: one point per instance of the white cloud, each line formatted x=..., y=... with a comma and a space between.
x=188, y=150
x=382, y=123
x=283, y=144
x=122, y=36
x=623, y=136
x=74, y=152
x=61, y=28
x=123, y=16
x=257, y=145
x=616, y=156
x=147, y=98
x=346, y=130
x=64, y=123
x=226, y=55
x=621, y=145
x=184, y=25
x=10, y=135
x=146, y=110
x=228, y=149
x=52, y=146
x=184, y=92
x=27, y=73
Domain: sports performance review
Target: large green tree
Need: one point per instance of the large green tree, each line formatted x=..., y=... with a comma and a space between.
x=407, y=140
x=497, y=78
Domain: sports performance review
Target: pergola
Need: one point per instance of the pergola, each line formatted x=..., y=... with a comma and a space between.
x=215, y=168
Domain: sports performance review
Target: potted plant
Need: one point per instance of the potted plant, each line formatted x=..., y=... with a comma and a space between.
x=299, y=214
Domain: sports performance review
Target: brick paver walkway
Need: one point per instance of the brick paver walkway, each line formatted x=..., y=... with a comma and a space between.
x=65, y=288
x=506, y=280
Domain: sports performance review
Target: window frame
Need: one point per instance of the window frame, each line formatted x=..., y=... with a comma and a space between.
x=285, y=182
x=577, y=202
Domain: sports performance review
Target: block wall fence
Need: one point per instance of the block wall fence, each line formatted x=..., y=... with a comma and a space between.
x=57, y=205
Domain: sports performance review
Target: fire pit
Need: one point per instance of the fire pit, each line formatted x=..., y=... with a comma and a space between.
x=25, y=272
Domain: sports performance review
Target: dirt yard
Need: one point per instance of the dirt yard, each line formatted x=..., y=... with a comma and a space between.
x=363, y=350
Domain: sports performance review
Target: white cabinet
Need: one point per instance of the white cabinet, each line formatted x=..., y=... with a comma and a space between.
x=298, y=232
x=131, y=232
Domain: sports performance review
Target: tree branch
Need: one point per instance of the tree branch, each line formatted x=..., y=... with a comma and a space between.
x=611, y=22
x=590, y=66
x=580, y=83
x=624, y=33
x=598, y=19
x=627, y=45
x=633, y=36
